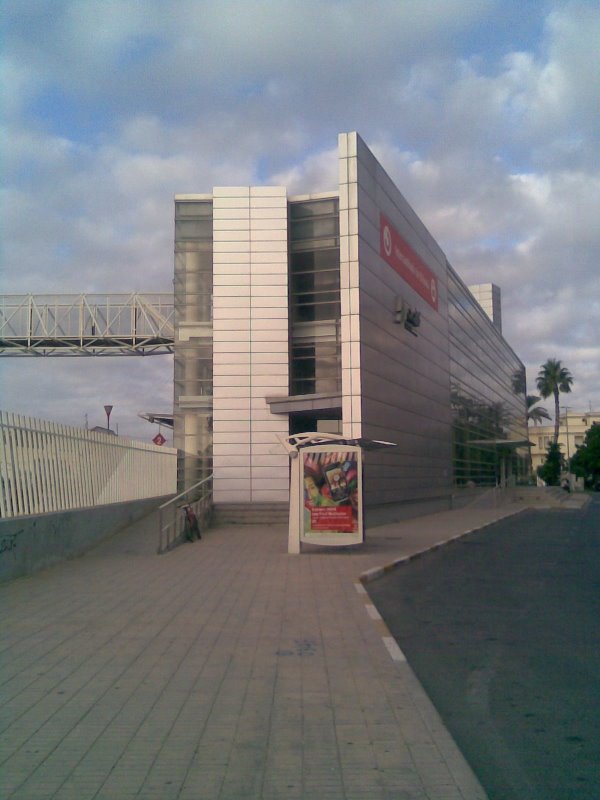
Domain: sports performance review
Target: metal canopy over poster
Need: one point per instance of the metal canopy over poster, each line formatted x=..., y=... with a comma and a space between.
x=326, y=498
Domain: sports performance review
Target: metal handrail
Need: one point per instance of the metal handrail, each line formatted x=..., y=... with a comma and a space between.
x=171, y=519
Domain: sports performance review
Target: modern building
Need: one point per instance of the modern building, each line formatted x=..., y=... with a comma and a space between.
x=489, y=297
x=335, y=312
x=571, y=434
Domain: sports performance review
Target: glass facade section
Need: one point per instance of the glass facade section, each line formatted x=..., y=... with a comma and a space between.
x=314, y=264
x=193, y=365
x=487, y=395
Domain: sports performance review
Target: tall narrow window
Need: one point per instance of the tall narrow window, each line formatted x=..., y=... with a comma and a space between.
x=193, y=361
x=315, y=296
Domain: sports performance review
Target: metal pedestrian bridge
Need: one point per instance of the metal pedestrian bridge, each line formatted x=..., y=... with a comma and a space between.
x=86, y=324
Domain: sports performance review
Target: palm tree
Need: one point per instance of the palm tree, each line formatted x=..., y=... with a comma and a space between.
x=552, y=379
x=538, y=413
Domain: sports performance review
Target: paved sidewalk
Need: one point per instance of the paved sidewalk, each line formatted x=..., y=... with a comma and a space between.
x=224, y=669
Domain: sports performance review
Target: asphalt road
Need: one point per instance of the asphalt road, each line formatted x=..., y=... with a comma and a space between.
x=502, y=629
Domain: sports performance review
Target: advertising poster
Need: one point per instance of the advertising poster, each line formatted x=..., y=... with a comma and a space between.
x=332, y=494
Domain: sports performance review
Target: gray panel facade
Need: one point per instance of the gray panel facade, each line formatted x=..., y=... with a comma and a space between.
x=405, y=379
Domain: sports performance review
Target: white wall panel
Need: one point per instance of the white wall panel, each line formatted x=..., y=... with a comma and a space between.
x=231, y=224
x=250, y=306
x=230, y=345
x=269, y=448
x=236, y=300
x=262, y=288
x=269, y=223
x=228, y=275
x=228, y=203
x=241, y=437
x=271, y=496
x=233, y=449
x=269, y=246
x=225, y=381
x=231, y=495
x=233, y=392
x=221, y=213
x=229, y=245
x=267, y=385
x=237, y=460
x=231, y=318
x=269, y=212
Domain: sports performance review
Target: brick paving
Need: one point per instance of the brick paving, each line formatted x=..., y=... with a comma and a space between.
x=223, y=670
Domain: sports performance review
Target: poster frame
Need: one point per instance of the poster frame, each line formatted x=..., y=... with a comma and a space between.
x=326, y=453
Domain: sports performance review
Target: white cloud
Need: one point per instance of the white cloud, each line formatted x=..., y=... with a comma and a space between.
x=112, y=108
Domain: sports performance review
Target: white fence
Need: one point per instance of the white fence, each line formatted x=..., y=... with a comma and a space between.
x=46, y=467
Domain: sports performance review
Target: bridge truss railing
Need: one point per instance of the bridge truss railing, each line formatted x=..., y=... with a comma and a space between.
x=86, y=324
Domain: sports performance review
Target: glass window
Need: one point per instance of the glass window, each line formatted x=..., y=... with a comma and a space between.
x=315, y=228
x=313, y=208
x=192, y=208
x=193, y=366
x=487, y=394
x=193, y=229
x=314, y=296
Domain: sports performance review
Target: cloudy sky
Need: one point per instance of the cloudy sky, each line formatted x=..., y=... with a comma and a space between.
x=484, y=112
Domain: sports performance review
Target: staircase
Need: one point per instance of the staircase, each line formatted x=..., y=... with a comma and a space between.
x=549, y=497
x=250, y=514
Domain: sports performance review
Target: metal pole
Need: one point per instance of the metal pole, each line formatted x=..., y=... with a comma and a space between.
x=108, y=409
x=567, y=429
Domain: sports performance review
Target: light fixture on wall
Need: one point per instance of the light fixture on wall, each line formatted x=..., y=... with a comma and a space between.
x=404, y=315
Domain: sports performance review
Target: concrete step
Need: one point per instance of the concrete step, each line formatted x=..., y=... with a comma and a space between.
x=548, y=497
x=250, y=514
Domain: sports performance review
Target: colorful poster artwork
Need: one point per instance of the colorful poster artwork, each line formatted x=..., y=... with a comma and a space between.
x=331, y=491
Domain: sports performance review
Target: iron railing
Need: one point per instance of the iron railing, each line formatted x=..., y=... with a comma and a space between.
x=171, y=517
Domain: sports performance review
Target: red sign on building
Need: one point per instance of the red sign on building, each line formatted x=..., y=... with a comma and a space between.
x=159, y=439
x=403, y=259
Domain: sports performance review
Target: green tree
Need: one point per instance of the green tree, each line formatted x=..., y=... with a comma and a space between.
x=552, y=379
x=586, y=461
x=550, y=470
x=535, y=413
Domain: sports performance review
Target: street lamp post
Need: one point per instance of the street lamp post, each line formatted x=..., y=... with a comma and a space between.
x=567, y=432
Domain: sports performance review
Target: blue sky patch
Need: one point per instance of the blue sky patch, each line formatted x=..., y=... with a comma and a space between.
x=61, y=114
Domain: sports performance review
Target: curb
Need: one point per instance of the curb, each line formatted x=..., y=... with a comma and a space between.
x=466, y=780
x=389, y=642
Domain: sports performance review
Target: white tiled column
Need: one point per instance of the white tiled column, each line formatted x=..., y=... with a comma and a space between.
x=269, y=359
x=349, y=287
x=250, y=343
x=231, y=344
